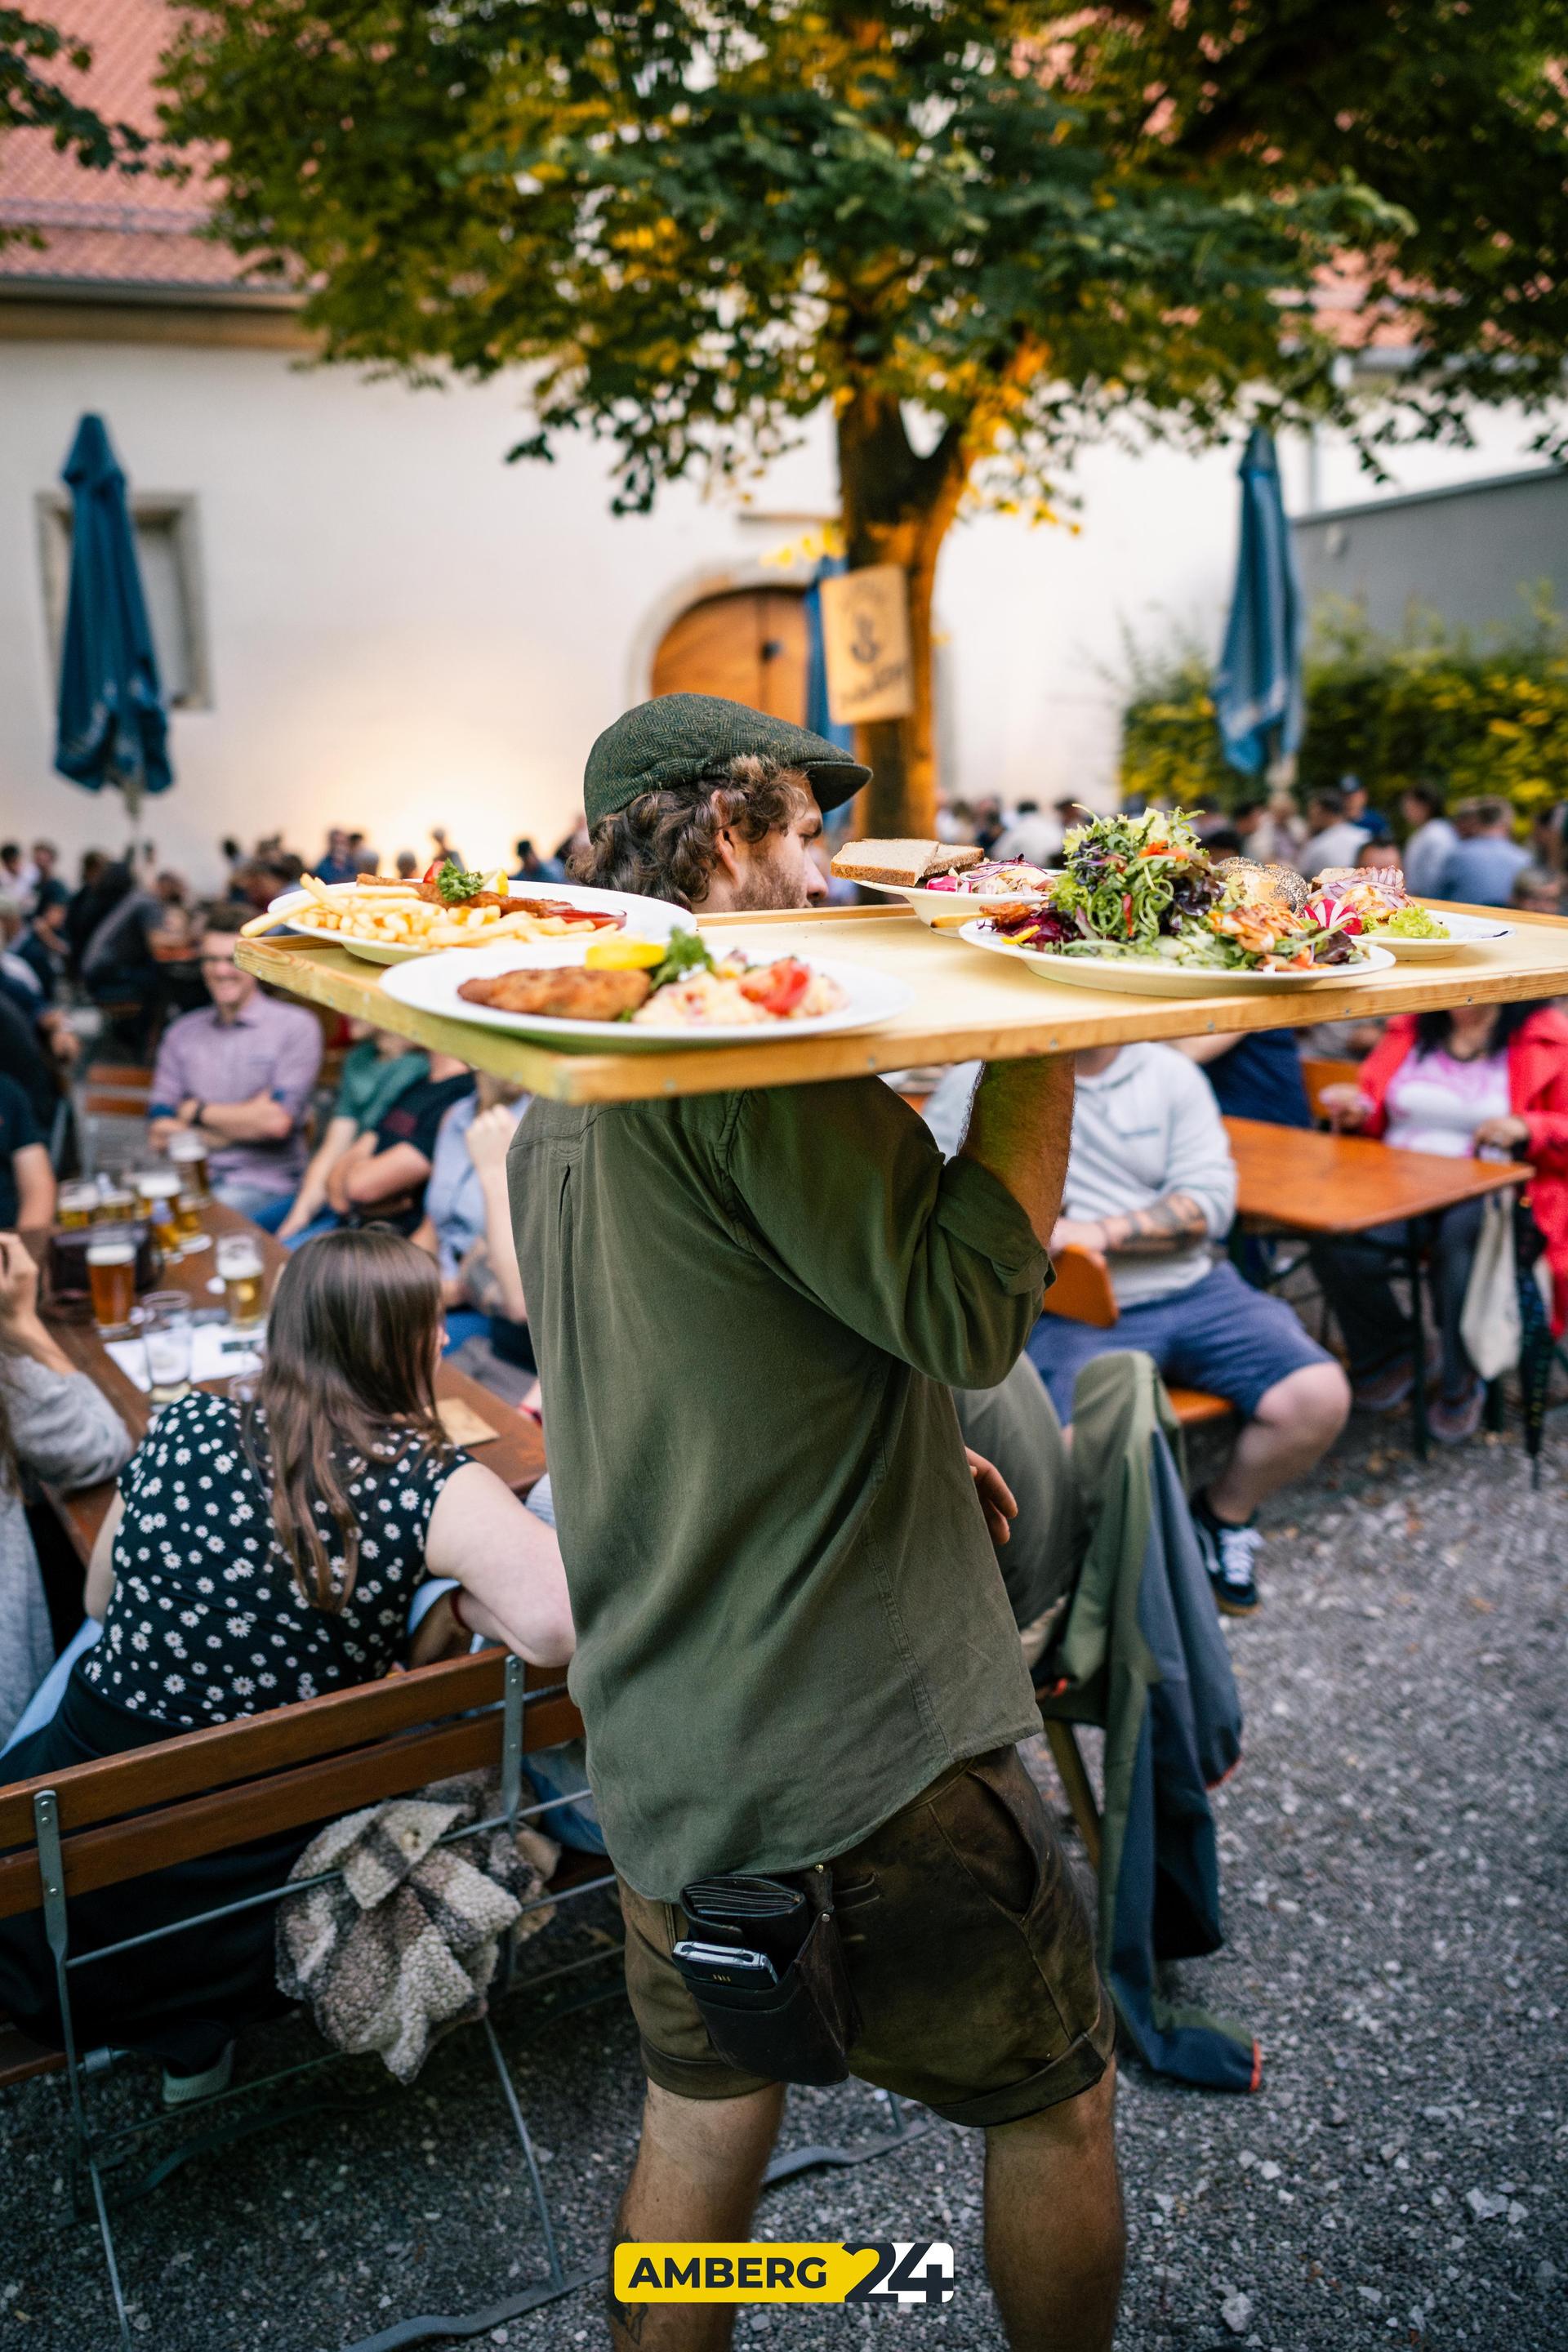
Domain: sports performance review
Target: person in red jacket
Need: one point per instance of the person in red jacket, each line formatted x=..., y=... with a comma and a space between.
x=1481, y=1078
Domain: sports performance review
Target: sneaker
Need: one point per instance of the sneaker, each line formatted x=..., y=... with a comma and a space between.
x=1229, y=1554
x=1453, y=1419
x=1386, y=1391
x=185, y=2090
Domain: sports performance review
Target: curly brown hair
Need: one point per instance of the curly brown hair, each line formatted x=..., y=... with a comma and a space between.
x=666, y=845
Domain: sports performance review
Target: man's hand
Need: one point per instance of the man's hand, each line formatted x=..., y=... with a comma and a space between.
x=997, y=1500
x=1072, y=1232
x=161, y=1129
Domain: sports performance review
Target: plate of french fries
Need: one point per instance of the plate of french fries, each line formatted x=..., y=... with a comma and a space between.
x=385, y=920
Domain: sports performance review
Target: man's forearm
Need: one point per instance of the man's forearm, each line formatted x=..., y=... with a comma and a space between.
x=1020, y=1126
x=260, y=1118
x=1174, y=1221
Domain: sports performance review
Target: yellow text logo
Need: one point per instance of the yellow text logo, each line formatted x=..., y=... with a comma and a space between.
x=898, y=2270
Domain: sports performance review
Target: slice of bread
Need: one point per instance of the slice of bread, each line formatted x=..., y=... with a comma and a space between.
x=905, y=862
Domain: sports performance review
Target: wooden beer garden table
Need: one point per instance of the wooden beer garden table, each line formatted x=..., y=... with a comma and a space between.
x=1292, y=1180
x=516, y=1453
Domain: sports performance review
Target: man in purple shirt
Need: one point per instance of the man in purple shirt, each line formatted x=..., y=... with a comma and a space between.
x=240, y=1075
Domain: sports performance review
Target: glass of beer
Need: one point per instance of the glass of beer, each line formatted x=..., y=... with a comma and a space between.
x=188, y=1154
x=111, y=1277
x=157, y=1190
x=240, y=1269
x=188, y=1223
x=116, y=1203
x=77, y=1206
x=166, y=1334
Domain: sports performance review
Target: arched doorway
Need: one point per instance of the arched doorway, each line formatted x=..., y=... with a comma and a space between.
x=749, y=644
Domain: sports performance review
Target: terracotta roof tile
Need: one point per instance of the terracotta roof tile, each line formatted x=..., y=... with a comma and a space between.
x=97, y=227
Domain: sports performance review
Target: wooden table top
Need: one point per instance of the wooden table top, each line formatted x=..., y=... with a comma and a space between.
x=965, y=1005
x=516, y=1453
x=1296, y=1180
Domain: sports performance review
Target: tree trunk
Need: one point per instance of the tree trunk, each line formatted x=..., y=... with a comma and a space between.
x=897, y=507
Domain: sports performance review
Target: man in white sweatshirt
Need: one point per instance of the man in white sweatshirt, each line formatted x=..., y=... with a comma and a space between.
x=1151, y=1189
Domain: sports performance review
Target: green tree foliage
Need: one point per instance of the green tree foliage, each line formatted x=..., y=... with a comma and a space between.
x=696, y=222
x=32, y=98
x=1433, y=705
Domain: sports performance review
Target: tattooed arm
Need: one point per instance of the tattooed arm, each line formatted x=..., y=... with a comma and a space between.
x=1172, y=1222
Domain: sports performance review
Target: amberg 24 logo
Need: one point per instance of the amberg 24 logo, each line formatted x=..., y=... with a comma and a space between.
x=911, y=2272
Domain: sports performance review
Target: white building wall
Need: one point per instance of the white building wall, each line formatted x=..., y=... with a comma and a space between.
x=404, y=630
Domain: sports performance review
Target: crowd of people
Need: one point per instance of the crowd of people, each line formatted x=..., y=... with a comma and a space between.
x=889, y=1276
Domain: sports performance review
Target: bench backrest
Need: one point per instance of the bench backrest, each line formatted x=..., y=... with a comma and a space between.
x=1082, y=1291
x=1319, y=1073
x=204, y=1791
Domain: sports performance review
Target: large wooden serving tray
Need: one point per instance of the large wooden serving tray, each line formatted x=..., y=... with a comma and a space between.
x=967, y=1005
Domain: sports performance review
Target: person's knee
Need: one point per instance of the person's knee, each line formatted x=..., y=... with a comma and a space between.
x=712, y=2141
x=1078, y=2128
x=1312, y=1404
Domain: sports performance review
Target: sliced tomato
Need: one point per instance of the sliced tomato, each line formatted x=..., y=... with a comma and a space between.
x=777, y=987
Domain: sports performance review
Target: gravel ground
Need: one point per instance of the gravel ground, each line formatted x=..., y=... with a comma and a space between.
x=1393, y=1858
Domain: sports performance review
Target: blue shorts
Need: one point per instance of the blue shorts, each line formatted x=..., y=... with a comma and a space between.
x=1221, y=1335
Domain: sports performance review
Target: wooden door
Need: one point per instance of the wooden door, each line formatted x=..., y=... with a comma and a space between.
x=750, y=646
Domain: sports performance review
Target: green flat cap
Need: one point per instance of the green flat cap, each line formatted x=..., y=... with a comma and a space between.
x=678, y=738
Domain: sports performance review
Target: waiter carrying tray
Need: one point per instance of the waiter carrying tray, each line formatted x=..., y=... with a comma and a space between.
x=796, y=1657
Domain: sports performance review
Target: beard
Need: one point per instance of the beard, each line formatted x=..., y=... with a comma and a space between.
x=769, y=885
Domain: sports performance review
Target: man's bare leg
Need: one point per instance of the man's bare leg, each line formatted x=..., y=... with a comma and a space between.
x=1054, y=2237
x=700, y=2166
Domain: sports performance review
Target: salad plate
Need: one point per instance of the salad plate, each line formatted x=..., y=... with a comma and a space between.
x=1462, y=932
x=951, y=906
x=1157, y=975
x=433, y=985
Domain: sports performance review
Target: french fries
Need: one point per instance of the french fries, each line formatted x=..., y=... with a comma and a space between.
x=394, y=914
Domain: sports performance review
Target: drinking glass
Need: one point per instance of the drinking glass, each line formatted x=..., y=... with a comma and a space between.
x=157, y=1190
x=76, y=1205
x=166, y=1334
x=112, y=1277
x=116, y=1203
x=240, y=1270
x=188, y=1223
x=188, y=1153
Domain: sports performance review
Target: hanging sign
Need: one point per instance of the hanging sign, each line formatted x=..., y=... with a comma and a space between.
x=865, y=642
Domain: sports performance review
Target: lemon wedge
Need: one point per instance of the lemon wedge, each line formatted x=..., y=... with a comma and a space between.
x=624, y=955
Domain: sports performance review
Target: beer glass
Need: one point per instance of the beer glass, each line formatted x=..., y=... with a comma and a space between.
x=188, y=1223
x=240, y=1270
x=167, y=1332
x=77, y=1206
x=188, y=1153
x=116, y=1203
x=157, y=1189
x=111, y=1277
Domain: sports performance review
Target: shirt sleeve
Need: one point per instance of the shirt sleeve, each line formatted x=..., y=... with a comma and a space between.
x=298, y=1065
x=64, y=1428
x=169, y=1086
x=1201, y=1163
x=845, y=1189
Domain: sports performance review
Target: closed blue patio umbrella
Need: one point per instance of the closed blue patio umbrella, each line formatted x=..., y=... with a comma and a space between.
x=113, y=726
x=1258, y=686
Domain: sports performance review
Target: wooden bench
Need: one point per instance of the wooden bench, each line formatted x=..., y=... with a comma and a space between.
x=1082, y=1293
x=1316, y=1074
x=106, y=1823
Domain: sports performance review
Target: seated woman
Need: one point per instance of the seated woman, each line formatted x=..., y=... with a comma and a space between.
x=56, y=1425
x=468, y=1230
x=378, y=1067
x=258, y=1554
x=1480, y=1077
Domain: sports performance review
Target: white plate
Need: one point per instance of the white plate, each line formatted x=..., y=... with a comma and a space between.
x=1464, y=932
x=431, y=983
x=931, y=904
x=1157, y=978
x=646, y=919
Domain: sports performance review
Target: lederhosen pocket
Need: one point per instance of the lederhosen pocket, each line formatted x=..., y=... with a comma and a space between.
x=800, y=2029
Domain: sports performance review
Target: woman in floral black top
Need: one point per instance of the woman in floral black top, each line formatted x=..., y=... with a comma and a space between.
x=256, y=1556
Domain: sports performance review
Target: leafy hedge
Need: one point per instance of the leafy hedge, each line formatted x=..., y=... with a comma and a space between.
x=1430, y=706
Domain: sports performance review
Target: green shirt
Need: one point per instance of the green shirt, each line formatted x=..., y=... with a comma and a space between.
x=372, y=1082
x=747, y=1311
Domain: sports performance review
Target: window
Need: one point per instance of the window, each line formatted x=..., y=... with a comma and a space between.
x=168, y=558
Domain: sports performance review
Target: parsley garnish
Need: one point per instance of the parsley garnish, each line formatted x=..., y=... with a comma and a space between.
x=686, y=952
x=455, y=886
